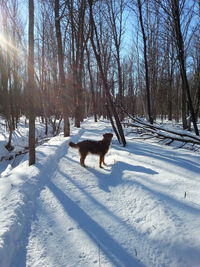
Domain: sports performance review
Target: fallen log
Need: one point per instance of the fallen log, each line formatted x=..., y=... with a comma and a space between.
x=165, y=133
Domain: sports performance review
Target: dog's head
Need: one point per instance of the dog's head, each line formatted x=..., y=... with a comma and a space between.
x=108, y=136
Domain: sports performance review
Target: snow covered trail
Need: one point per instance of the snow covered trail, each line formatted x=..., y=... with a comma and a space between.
x=132, y=213
x=141, y=210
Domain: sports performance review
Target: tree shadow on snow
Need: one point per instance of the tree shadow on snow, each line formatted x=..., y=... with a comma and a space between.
x=114, y=251
x=172, y=156
x=115, y=178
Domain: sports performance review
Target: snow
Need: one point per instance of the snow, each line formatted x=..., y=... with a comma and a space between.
x=143, y=209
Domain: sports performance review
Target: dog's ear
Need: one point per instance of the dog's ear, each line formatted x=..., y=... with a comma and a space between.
x=108, y=135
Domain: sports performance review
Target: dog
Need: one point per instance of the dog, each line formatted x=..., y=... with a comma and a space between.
x=94, y=147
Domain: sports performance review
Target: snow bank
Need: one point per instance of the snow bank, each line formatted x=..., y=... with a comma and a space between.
x=19, y=189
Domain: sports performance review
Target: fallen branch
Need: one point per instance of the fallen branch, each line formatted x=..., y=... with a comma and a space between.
x=158, y=131
x=25, y=150
x=162, y=132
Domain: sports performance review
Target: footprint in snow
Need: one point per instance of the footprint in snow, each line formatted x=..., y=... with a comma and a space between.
x=82, y=255
x=138, y=220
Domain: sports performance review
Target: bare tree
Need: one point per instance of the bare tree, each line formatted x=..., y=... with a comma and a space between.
x=77, y=13
x=31, y=84
x=115, y=18
x=145, y=62
x=10, y=80
x=197, y=67
x=97, y=51
x=94, y=102
x=175, y=9
x=61, y=69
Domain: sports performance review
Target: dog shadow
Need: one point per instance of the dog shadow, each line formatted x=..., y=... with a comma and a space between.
x=114, y=176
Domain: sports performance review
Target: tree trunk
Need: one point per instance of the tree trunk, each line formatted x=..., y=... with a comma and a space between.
x=92, y=86
x=184, y=108
x=103, y=77
x=77, y=23
x=181, y=58
x=61, y=70
x=146, y=63
x=116, y=21
x=197, y=95
x=31, y=85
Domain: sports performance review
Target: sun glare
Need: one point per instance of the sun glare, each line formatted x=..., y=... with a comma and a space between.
x=5, y=44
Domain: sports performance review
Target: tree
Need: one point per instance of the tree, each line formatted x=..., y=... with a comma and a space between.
x=10, y=80
x=61, y=69
x=77, y=13
x=97, y=51
x=94, y=102
x=181, y=57
x=145, y=62
x=115, y=18
x=31, y=84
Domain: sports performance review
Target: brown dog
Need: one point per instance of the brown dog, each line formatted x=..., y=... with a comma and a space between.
x=94, y=147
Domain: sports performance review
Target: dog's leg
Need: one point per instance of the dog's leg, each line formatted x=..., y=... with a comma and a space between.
x=101, y=160
x=82, y=158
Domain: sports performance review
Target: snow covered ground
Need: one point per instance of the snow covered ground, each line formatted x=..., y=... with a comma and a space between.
x=141, y=210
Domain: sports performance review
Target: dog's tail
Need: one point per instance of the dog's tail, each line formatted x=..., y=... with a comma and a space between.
x=73, y=145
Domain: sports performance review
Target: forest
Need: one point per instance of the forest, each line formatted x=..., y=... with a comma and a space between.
x=63, y=59
x=84, y=72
